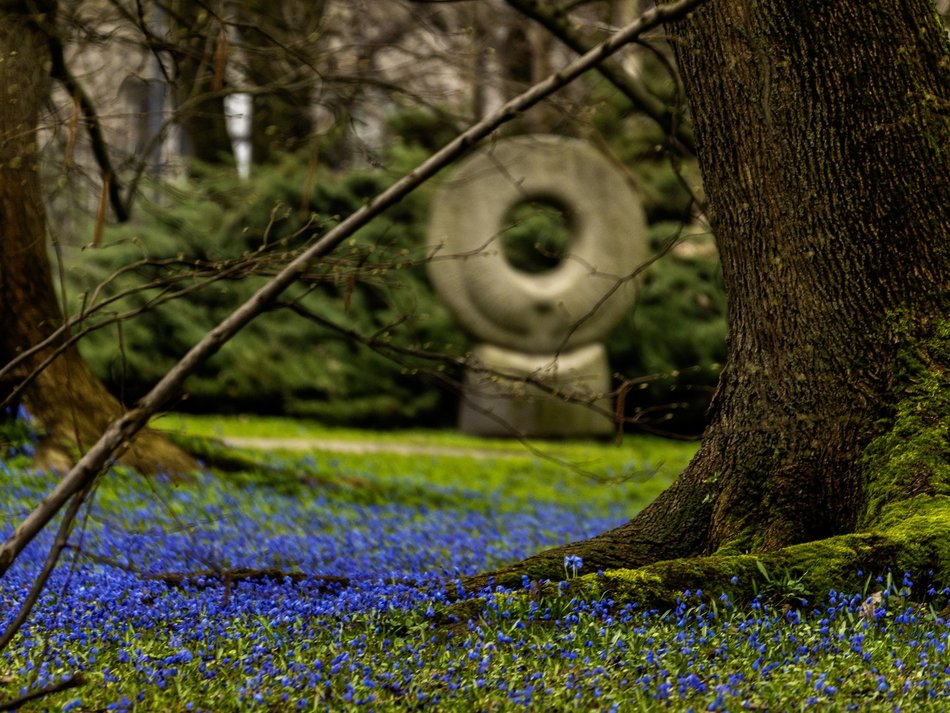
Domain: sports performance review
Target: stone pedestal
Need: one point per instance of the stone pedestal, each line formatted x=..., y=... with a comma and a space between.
x=499, y=399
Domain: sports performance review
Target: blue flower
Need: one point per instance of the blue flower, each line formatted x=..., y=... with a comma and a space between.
x=573, y=563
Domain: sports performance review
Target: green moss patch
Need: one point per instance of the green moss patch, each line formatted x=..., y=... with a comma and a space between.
x=913, y=457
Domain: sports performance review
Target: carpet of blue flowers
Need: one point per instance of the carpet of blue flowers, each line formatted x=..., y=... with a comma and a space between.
x=376, y=625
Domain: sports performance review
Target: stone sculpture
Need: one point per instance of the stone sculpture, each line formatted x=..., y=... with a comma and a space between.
x=544, y=326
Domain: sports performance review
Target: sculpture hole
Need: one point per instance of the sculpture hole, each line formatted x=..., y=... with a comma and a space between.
x=538, y=235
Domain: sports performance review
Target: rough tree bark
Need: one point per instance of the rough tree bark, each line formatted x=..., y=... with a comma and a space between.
x=823, y=133
x=66, y=397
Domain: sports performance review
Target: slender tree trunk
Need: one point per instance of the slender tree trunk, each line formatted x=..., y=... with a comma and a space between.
x=823, y=133
x=66, y=397
x=201, y=53
x=278, y=40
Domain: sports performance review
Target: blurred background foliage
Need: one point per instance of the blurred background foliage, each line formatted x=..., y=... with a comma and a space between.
x=291, y=362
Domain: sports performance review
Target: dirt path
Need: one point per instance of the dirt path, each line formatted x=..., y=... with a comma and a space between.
x=345, y=446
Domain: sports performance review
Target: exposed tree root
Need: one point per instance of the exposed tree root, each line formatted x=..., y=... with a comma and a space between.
x=74, y=407
x=914, y=539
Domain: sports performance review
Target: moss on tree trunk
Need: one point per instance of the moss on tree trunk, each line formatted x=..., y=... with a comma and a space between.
x=824, y=138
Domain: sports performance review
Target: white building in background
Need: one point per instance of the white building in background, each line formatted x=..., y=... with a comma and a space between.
x=367, y=57
x=237, y=114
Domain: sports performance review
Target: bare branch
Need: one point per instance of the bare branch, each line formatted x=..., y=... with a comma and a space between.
x=62, y=539
x=131, y=422
x=201, y=272
x=63, y=337
x=59, y=70
x=394, y=352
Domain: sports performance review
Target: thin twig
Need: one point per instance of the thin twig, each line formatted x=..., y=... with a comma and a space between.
x=555, y=21
x=60, y=70
x=393, y=351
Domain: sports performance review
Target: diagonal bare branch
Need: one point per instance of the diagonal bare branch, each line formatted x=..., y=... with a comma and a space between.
x=124, y=428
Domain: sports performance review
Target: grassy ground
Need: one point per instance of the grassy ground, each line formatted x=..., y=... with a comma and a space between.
x=632, y=448
x=627, y=476
x=160, y=606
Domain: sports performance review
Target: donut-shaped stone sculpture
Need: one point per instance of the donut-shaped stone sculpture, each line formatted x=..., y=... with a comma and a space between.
x=577, y=301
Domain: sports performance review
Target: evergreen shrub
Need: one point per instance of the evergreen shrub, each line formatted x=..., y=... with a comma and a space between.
x=375, y=285
x=282, y=362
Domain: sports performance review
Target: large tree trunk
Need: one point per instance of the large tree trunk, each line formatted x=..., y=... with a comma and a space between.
x=66, y=397
x=824, y=159
x=823, y=133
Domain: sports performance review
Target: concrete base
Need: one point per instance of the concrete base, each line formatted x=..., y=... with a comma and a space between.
x=493, y=405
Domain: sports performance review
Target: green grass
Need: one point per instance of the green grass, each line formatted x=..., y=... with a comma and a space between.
x=216, y=426
x=396, y=646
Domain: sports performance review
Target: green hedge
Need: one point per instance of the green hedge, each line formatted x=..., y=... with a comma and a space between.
x=282, y=362
x=376, y=285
